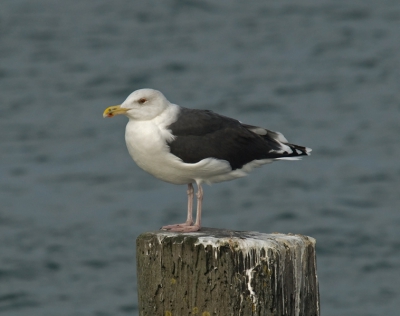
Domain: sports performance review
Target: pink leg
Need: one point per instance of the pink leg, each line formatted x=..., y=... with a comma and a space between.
x=189, y=220
x=190, y=193
x=199, y=206
x=185, y=227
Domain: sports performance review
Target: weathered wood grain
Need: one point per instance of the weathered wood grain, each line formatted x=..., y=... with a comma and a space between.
x=223, y=272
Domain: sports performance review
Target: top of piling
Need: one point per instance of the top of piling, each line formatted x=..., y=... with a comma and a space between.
x=241, y=240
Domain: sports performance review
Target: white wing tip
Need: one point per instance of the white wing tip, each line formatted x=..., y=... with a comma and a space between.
x=288, y=158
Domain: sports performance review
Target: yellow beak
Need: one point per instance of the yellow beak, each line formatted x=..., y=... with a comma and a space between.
x=114, y=110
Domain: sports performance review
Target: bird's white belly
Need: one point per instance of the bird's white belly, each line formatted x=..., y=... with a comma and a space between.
x=147, y=145
x=150, y=151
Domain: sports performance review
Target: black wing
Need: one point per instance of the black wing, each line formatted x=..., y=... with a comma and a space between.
x=201, y=134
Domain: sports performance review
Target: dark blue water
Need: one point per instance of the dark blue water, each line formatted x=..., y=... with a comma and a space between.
x=324, y=73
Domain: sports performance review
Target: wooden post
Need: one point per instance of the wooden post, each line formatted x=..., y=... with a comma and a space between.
x=223, y=272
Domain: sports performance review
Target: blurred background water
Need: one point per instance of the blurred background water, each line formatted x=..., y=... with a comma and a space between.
x=324, y=73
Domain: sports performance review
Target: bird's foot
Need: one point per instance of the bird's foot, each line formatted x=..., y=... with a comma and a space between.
x=169, y=227
x=182, y=228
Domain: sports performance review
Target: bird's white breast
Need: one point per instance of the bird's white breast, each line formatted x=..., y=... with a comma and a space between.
x=147, y=143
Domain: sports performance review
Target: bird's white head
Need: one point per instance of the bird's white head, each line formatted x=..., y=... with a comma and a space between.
x=140, y=105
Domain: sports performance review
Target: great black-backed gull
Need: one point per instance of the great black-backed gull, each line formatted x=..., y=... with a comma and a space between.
x=183, y=146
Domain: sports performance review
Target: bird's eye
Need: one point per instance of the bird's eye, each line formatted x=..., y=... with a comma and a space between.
x=142, y=100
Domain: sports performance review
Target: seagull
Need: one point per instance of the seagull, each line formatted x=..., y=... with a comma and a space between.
x=186, y=146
